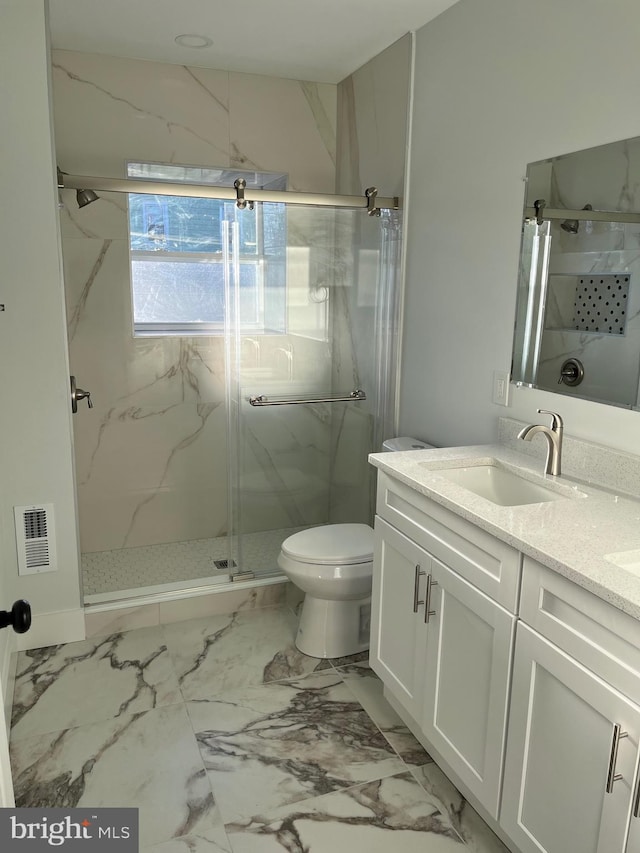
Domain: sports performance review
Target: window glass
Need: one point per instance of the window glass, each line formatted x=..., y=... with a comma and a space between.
x=177, y=255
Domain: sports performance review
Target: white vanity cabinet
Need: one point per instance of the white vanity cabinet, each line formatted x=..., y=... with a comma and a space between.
x=571, y=774
x=473, y=640
x=443, y=603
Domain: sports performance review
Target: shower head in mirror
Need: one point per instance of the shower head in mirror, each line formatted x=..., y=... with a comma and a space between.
x=571, y=226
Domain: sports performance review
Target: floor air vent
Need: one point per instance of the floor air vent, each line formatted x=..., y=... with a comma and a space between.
x=224, y=564
x=35, y=539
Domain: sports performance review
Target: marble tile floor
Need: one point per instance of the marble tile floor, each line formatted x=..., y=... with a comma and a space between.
x=227, y=738
x=171, y=562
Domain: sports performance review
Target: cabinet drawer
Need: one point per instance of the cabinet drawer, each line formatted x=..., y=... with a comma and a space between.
x=589, y=629
x=478, y=556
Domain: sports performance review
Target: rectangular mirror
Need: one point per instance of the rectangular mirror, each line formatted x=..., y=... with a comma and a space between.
x=577, y=328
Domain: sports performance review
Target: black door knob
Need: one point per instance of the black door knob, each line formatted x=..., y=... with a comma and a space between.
x=19, y=617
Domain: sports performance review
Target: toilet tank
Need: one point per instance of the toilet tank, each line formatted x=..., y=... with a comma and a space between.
x=405, y=442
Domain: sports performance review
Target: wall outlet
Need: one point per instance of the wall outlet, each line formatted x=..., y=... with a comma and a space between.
x=500, y=394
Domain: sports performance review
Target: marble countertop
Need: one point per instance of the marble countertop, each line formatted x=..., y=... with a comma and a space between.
x=570, y=536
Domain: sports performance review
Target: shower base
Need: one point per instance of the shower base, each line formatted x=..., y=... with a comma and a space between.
x=146, y=570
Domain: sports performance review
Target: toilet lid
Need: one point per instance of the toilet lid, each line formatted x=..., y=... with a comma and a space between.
x=331, y=544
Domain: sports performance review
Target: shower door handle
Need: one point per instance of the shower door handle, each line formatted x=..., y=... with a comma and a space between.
x=262, y=400
x=78, y=394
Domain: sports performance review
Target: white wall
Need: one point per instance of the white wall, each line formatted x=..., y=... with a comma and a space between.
x=499, y=83
x=35, y=419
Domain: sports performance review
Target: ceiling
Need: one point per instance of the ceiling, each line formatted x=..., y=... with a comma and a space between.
x=319, y=40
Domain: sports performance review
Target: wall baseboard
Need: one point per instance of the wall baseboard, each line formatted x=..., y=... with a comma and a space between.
x=8, y=663
x=51, y=629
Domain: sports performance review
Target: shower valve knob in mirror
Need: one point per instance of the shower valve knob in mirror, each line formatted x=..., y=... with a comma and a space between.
x=571, y=372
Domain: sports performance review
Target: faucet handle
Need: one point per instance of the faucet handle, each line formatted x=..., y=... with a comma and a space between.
x=556, y=421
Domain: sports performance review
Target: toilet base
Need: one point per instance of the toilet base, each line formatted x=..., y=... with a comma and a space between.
x=333, y=629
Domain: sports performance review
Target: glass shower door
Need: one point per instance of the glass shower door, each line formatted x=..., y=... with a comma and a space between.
x=311, y=328
x=281, y=351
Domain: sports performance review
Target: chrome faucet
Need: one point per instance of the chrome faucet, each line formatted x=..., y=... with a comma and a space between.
x=553, y=436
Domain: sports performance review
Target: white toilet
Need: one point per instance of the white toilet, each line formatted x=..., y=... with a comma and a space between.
x=333, y=565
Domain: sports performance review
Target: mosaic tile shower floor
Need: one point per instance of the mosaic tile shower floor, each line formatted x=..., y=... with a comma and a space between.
x=171, y=562
x=229, y=739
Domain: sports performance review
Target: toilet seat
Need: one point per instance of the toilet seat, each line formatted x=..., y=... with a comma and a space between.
x=331, y=545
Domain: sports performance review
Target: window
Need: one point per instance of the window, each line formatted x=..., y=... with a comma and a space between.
x=177, y=255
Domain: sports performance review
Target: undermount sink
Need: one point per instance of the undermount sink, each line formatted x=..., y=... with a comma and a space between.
x=501, y=486
x=628, y=560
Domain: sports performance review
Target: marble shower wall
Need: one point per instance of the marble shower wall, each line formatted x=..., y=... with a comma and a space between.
x=151, y=456
x=373, y=107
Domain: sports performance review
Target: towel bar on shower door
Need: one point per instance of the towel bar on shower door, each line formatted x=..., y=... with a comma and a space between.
x=262, y=400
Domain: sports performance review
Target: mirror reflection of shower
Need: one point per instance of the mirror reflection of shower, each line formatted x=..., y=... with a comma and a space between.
x=583, y=311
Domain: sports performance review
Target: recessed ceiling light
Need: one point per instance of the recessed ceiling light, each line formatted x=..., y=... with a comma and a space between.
x=193, y=40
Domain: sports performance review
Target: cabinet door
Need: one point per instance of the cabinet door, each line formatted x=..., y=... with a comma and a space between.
x=467, y=681
x=398, y=629
x=559, y=755
x=633, y=842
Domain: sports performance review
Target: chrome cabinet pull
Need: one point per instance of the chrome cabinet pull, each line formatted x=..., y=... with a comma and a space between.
x=612, y=776
x=416, y=587
x=427, y=607
x=636, y=799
